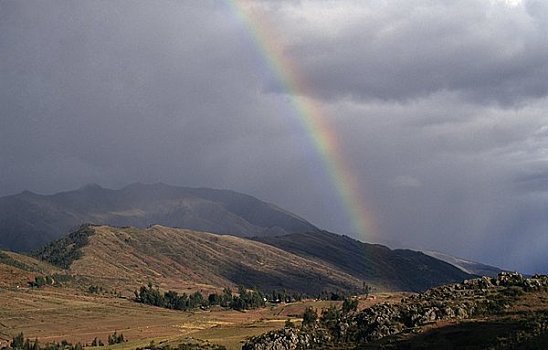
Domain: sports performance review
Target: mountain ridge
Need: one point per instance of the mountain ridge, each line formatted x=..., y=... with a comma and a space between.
x=176, y=258
x=398, y=269
x=29, y=220
x=179, y=259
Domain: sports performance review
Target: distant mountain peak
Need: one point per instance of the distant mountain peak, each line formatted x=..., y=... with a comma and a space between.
x=27, y=193
x=90, y=187
x=467, y=266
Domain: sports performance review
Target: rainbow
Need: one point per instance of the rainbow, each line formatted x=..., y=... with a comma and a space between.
x=311, y=115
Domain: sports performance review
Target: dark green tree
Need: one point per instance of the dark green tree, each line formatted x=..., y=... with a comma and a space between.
x=214, y=299
x=309, y=317
x=331, y=319
x=18, y=341
x=226, y=297
x=349, y=305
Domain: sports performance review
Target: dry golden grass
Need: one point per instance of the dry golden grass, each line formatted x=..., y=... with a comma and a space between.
x=184, y=260
x=13, y=276
x=54, y=314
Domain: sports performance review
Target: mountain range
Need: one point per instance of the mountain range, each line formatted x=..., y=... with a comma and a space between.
x=398, y=269
x=29, y=220
x=203, y=238
x=128, y=257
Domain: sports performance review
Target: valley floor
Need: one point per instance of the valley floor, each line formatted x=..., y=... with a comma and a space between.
x=53, y=314
x=59, y=313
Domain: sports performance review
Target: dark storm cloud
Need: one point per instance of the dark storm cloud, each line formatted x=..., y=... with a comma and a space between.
x=440, y=108
x=100, y=82
x=485, y=51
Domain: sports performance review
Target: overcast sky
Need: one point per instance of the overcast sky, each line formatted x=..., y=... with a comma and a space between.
x=440, y=107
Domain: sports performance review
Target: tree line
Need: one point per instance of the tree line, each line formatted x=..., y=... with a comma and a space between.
x=245, y=299
x=19, y=342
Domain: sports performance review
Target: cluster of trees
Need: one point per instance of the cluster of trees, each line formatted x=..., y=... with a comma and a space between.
x=246, y=299
x=19, y=342
x=114, y=338
x=182, y=346
x=333, y=319
x=93, y=289
x=337, y=295
x=63, y=252
x=40, y=281
x=8, y=260
x=170, y=299
x=55, y=279
x=97, y=342
x=284, y=297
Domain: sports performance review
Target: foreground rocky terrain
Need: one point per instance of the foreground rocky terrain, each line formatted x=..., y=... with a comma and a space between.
x=378, y=326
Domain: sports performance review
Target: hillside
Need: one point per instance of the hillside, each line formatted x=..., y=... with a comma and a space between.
x=17, y=270
x=179, y=259
x=398, y=269
x=29, y=220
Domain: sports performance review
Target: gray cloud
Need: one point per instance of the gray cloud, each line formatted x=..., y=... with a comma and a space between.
x=482, y=50
x=440, y=108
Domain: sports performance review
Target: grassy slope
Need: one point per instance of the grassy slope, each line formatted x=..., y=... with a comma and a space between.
x=17, y=269
x=395, y=269
x=126, y=258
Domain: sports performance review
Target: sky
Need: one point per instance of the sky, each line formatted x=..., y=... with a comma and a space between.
x=439, y=110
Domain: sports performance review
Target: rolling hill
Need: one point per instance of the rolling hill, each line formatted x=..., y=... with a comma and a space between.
x=17, y=270
x=398, y=269
x=126, y=258
x=286, y=251
x=29, y=220
x=179, y=259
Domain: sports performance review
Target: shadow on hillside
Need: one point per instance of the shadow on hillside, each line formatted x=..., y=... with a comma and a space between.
x=529, y=333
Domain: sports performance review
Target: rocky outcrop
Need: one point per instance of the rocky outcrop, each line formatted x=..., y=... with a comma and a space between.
x=481, y=296
x=289, y=338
